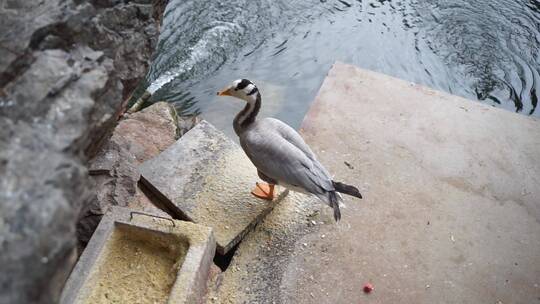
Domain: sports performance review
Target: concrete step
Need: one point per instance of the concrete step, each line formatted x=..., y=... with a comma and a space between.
x=205, y=177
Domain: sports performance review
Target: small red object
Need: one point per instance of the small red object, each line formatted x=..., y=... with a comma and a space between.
x=368, y=288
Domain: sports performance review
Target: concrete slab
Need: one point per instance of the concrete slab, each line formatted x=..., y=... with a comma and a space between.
x=258, y=265
x=451, y=209
x=139, y=258
x=206, y=178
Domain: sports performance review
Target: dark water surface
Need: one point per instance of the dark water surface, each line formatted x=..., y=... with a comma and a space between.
x=485, y=50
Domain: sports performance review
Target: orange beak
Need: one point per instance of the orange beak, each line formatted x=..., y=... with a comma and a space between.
x=224, y=92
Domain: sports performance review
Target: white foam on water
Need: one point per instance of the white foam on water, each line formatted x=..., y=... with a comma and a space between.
x=217, y=36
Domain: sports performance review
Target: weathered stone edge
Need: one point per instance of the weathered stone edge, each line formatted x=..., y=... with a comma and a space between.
x=223, y=249
x=171, y=208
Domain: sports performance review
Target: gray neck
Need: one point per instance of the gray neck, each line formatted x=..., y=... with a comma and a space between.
x=248, y=115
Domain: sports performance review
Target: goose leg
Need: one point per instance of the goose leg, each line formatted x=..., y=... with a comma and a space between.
x=264, y=191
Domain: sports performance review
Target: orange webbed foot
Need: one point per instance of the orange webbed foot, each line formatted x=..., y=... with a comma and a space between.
x=264, y=191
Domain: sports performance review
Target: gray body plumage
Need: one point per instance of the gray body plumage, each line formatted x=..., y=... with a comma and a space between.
x=282, y=157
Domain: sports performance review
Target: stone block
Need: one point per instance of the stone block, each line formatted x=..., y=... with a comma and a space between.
x=205, y=177
x=138, y=137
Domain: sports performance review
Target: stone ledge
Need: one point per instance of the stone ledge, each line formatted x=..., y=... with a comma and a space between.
x=207, y=178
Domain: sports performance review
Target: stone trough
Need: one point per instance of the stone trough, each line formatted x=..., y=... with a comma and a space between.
x=139, y=258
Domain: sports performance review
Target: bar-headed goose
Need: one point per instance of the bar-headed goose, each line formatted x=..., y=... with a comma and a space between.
x=280, y=154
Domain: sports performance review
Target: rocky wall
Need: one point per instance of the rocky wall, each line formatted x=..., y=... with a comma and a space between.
x=66, y=68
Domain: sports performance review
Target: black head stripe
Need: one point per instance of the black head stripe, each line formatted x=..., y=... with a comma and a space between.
x=255, y=90
x=243, y=83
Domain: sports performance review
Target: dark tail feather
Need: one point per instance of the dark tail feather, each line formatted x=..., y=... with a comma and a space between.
x=347, y=189
x=334, y=203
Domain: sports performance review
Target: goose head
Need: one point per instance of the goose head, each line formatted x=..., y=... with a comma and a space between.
x=241, y=88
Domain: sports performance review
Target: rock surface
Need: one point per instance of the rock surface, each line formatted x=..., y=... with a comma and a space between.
x=65, y=68
x=206, y=178
x=137, y=138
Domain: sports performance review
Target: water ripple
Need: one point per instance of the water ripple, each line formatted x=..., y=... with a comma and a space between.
x=485, y=50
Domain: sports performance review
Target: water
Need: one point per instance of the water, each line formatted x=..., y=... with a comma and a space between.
x=483, y=50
